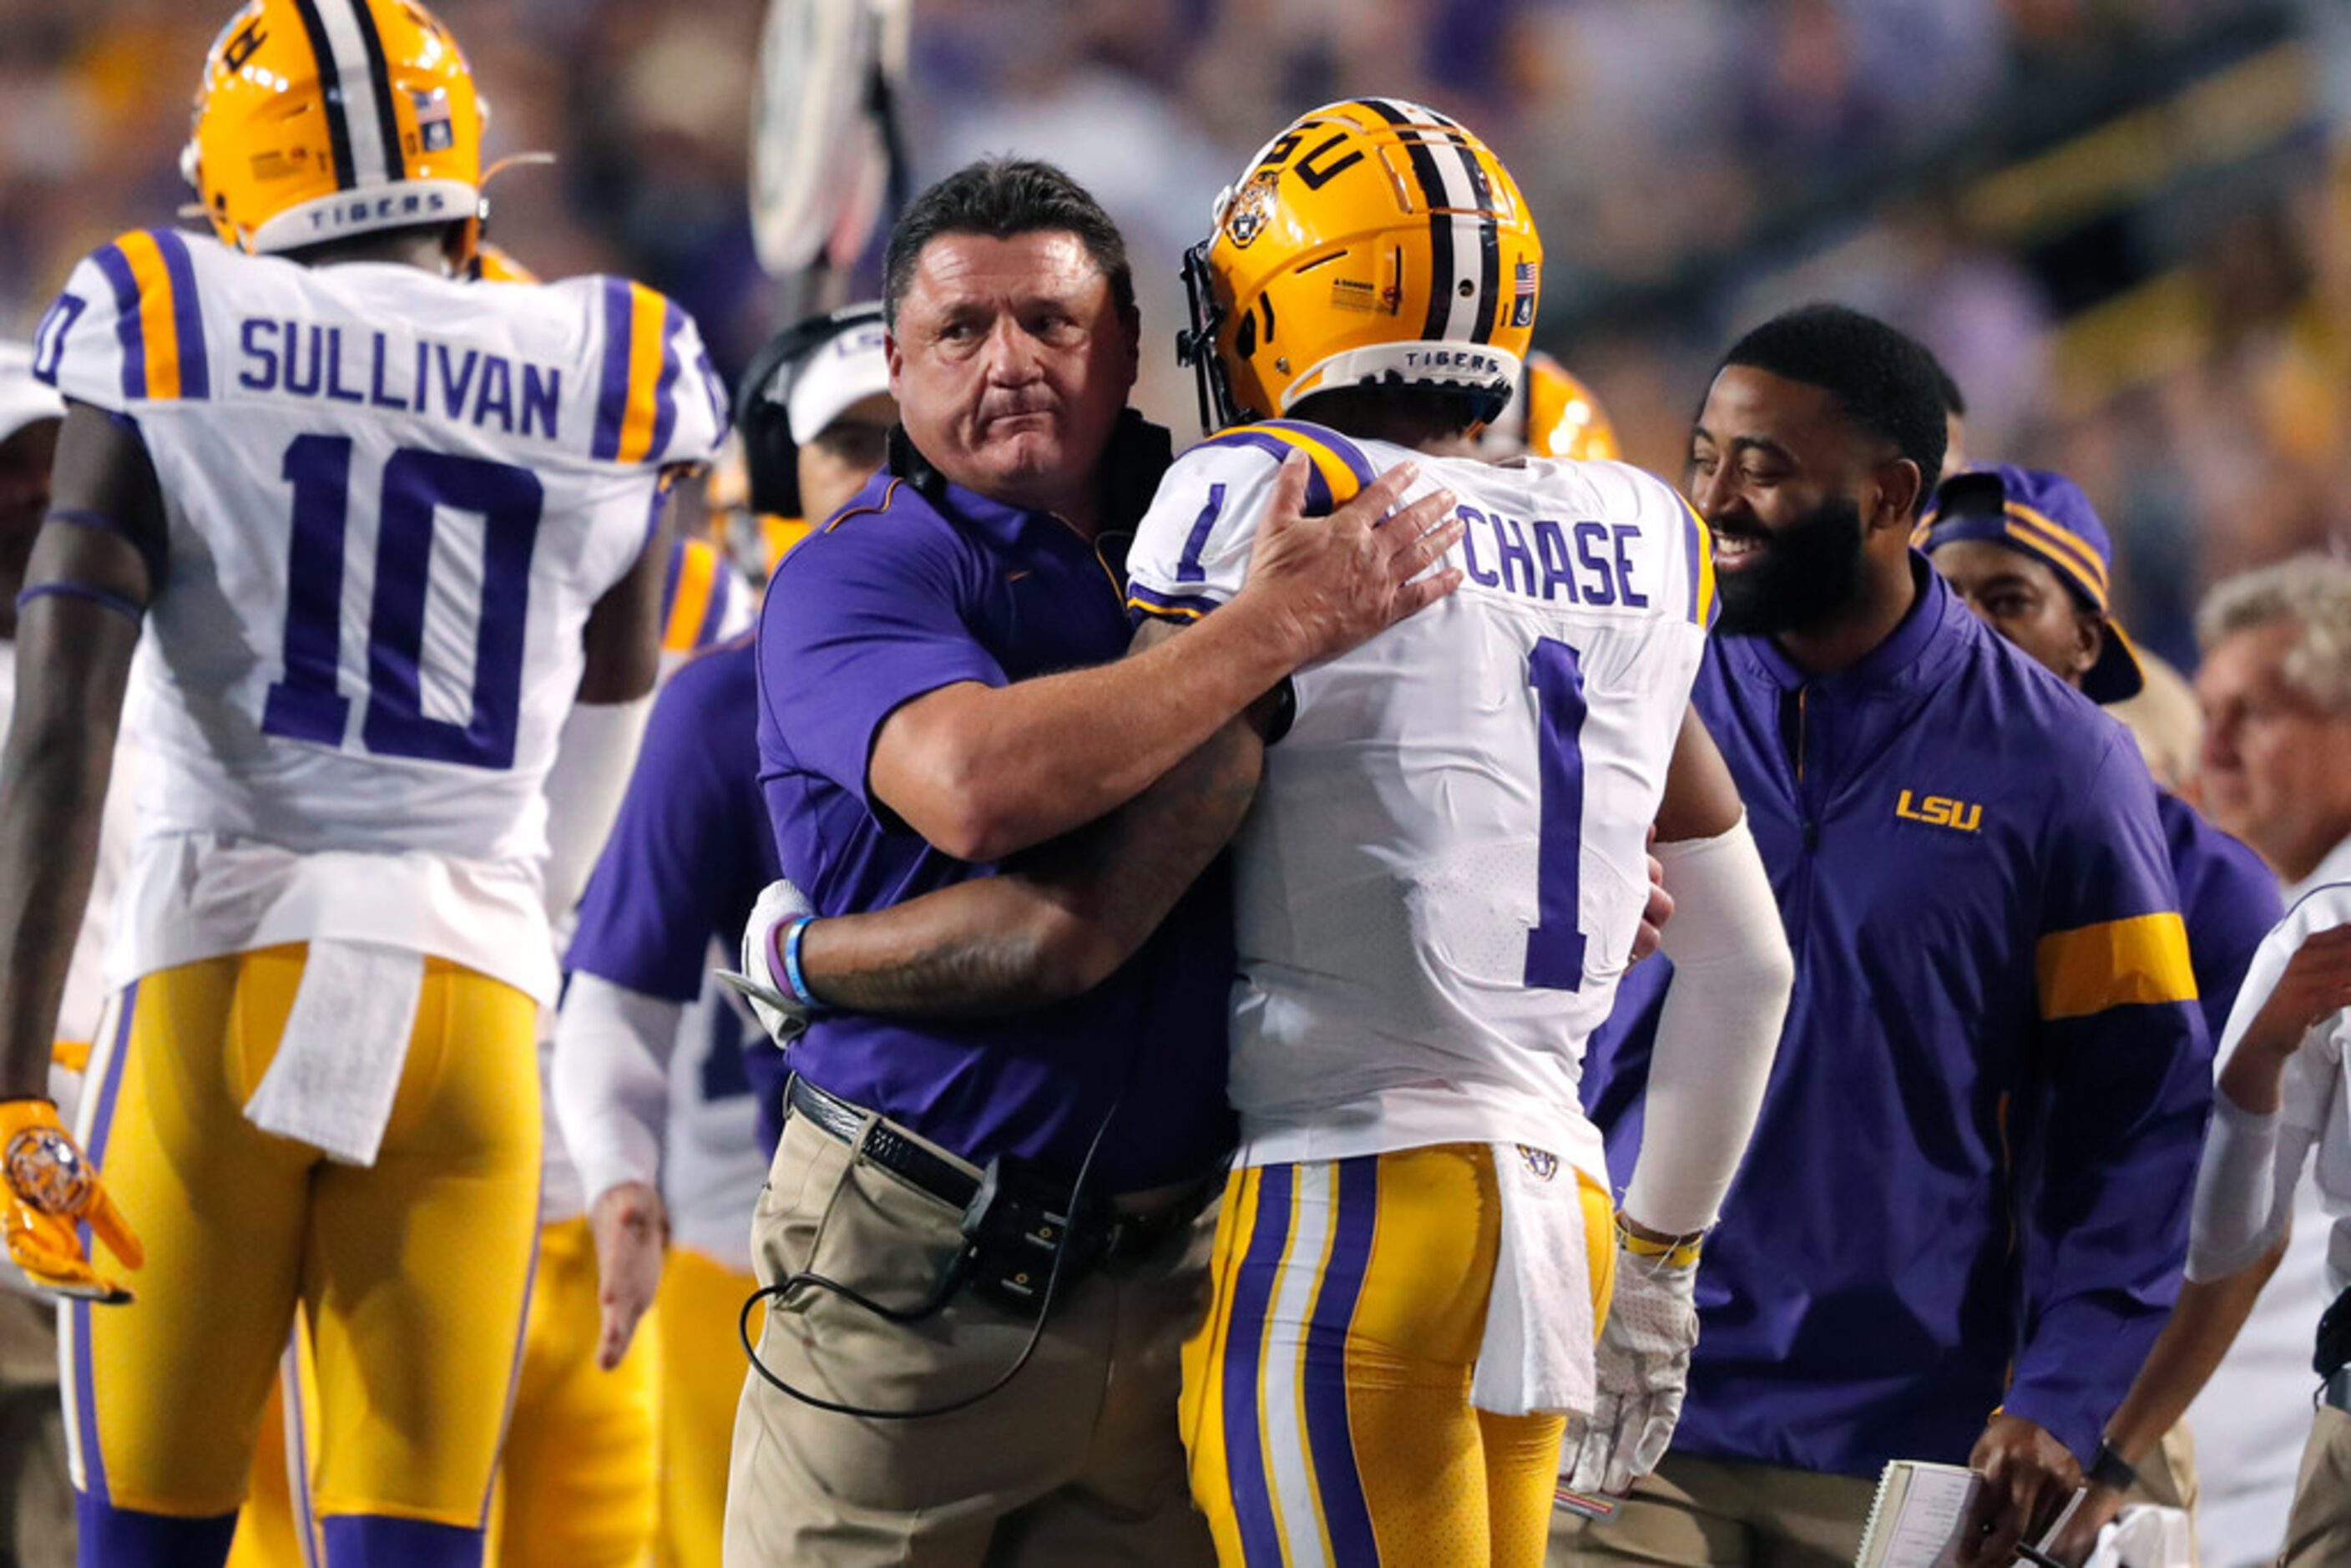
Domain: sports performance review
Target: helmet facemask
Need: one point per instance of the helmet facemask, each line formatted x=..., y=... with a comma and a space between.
x=1196, y=346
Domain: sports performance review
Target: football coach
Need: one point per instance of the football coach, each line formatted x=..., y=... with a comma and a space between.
x=957, y=1205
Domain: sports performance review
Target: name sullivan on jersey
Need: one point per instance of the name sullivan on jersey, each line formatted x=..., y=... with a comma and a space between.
x=464, y=385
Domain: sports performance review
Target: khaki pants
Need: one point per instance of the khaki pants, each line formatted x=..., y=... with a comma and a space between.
x=2167, y=1476
x=1706, y=1513
x=37, y=1504
x=1077, y=1460
x=2318, y=1531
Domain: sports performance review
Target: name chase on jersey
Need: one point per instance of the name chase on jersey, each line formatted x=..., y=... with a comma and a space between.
x=1534, y=560
x=470, y=385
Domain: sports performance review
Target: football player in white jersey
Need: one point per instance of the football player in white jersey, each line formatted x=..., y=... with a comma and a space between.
x=384, y=527
x=1438, y=888
x=578, y=1481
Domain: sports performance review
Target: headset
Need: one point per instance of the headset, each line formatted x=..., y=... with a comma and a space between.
x=770, y=447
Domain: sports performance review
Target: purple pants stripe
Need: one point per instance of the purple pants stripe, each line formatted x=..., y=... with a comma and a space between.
x=101, y=1125
x=1346, y=1513
x=1245, y=1468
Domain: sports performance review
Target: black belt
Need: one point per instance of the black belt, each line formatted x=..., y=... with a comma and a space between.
x=1123, y=1238
x=2337, y=1391
x=882, y=1144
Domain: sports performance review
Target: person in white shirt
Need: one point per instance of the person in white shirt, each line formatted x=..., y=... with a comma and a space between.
x=2285, y=1094
x=2276, y=685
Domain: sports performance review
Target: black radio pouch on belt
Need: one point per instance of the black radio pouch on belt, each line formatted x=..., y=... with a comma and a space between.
x=1020, y=1227
x=2334, y=1352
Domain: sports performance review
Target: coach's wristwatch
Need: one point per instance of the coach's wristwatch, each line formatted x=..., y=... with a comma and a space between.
x=2110, y=1469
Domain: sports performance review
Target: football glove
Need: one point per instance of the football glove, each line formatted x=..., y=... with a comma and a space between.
x=1642, y=1370
x=781, y=1014
x=47, y=1186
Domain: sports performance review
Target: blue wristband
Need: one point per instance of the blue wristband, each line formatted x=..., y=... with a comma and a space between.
x=790, y=944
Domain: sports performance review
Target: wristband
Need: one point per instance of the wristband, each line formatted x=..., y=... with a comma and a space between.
x=794, y=981
x=2110, y=1469
x=1682, y=1252
x=66, y=588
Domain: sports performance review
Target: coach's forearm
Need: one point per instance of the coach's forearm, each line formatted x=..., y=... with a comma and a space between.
x=986, y=772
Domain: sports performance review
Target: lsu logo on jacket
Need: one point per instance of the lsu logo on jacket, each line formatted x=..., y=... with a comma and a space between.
x=1941, y=811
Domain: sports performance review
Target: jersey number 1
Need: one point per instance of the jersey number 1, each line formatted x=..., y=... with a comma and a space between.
x=1556, y=947
x=308, y=703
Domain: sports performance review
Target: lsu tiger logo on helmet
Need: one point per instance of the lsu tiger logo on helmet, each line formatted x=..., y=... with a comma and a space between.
x=1372, y=242
x=318, y=120
x=1554, y=414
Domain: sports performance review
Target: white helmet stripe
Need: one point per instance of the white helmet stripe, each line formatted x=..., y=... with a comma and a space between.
x=1436, y=197
x=1466, y=305
x=1487, y=255
x=352, y=93
x=380, y=89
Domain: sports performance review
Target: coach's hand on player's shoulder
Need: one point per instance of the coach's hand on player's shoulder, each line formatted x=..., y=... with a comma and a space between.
x=1329, y=584
x=47, y=1188
x=2028, y=1475
x=632, y=1231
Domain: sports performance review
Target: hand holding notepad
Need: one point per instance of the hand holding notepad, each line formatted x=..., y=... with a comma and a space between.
x=1920, y=1518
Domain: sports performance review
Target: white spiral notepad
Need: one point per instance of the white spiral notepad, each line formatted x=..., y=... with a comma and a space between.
x=1919, y=1514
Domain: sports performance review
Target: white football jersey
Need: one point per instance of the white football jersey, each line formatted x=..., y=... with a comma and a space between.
x=393, y=499
x=1438, y=886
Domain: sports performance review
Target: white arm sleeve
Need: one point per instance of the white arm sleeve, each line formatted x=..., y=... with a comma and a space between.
x=1719, y=1031
x=2244, y=1188
x=612, y=1047
x=590, y=774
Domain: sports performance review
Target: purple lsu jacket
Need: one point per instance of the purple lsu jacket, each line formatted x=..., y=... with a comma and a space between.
x=1969, y=1187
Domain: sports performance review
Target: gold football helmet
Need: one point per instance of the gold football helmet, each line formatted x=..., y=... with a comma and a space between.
x=318, y=120
x=1372, y=242
x=1554, y=414
x=496, y=264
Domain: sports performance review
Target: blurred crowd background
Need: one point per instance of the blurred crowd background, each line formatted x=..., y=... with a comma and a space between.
x=2125, y=224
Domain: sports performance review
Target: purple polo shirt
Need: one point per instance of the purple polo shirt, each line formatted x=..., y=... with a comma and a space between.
x=909, y=590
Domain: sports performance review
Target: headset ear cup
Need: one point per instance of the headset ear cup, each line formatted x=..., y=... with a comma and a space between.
x=771, y=460
x=770, y=452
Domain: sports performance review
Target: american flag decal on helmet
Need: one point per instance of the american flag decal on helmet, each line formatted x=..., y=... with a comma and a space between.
x=433, y=130
x=1522, y=310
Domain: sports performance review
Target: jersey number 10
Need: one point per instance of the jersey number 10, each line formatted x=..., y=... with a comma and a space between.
x=307, y=703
